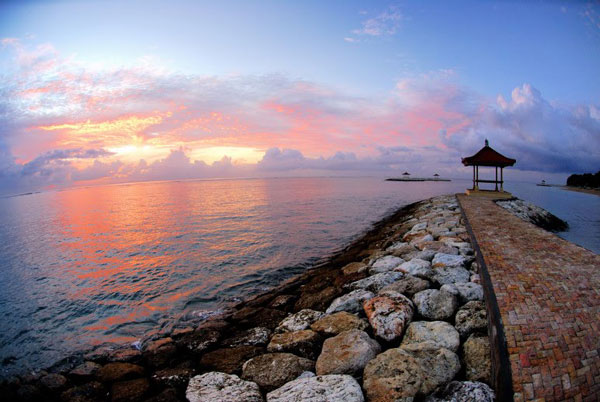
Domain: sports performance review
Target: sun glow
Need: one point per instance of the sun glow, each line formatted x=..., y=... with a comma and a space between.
x=237, y=154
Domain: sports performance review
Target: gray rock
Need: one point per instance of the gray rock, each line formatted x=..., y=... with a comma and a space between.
x=426, y=255
x=347, y=353
x=389, y=314
x=351, y=302
x=449, y=275
x=400, y=248
x=440, y=365
x=354, y=268
x=385, y=264
x=258, y=336
x=470, y=318
x=333, y=324
x=272, y=370
x=305, y=343
x=173, y=377
x=418, y=240
x=419, y=226
x=408, y=286
x=416, y=267
x=466, y=291
x=376, y=282
x=477, y=359
x=439, y=332
x=53, y=381
x=221, y=387
x=299, y=321
x=323, y=388
x=463, y=391
x=448, y=260
x=434, y=304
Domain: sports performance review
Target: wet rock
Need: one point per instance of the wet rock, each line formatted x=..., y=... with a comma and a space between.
x=299, y=321
x=200, y=340
x=249, y=317
x=354, y=268
x=129, y=391
x=448, y=260
x=470, y=318
x=351, y=302
x=331, y=325
x=257, y=336
x=272, y=370
x=435, y=305
x=477, y=359
x=323, y=388
x=119, y=371
x=125, y=355
x=385, y=264
x=450, y=275
x=400, y=248
x=283, y=302
x=466, y=292
x=84, y=371
x=53, y=382
x=439, y=332
x=167, y=395
x=173, y=377
x=317, y=301
x=463, y=391
x=221, y=387
x=416, y=267
x=305, y=343
x=389, y=314
x=347, y=353
x=376, y=282
x=229, y=360
x=89, y=392
x=408, y=286
x=160, y=353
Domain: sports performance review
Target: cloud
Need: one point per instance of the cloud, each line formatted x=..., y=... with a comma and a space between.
x=384, y=24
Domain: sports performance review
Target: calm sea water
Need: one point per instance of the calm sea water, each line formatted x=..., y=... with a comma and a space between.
x=112, y=264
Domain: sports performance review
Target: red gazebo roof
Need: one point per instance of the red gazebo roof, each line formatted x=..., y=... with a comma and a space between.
x=488, y=157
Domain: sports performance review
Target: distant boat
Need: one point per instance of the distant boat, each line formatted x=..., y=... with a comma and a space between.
x=543, y=184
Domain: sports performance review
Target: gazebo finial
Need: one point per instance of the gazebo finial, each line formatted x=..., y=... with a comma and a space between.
x=487, y=143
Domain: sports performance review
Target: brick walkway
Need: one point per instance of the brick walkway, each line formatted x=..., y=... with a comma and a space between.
x=548, y=293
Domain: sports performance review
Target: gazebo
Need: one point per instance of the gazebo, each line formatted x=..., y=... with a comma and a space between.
x=488, y=157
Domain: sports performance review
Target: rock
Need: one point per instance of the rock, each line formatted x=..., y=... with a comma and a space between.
x=389, y=314
x=475, y=278
x=84, y=371
x=272, y=370
x=438, y=247
x=411, y=235
x=160, y=353
x=283, y=302
x=448, y=260
x=119, y=371
x=129, y=391
x=351, y=302
x=477, y=359
x=410, y=371
x=125, y=355
x=200, y=340
x=470, y=318
x=305, y=343
x=416, y=267
x=331, y=325
x=167, y=395
x=229, y=360
x=354, y=268
x=323, y=388
x=400, y=248
x=466, y=292
x=425, y=255
x=463, y=391
x=419, y=226
x=89, y=392
x=220, y=387
x=439, y=332
x=347, y=353
x=257, y=336
x=298, y=321
x=450, y=275
x=408, y=286
x=385, y=264
x=173, y=377
x=416, y=241
x=435, y=305
x=53, y=382
x=317, y=301
x=249, y=317
x=376, y=282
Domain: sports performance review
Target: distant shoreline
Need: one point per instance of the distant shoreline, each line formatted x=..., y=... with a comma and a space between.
x=583, y=190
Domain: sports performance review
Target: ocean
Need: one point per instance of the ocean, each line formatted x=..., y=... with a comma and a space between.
x=102, y=265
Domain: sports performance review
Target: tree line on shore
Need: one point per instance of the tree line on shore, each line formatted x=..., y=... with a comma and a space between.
x=584, y=180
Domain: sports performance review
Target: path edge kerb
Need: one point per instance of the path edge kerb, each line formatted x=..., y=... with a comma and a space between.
x=501, y=371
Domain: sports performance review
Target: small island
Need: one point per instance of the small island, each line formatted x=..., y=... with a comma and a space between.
x=586, y=183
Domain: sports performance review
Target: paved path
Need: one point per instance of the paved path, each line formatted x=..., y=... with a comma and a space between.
x=548, y=293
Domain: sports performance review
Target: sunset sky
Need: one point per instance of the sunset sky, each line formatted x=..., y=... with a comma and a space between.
x=97, y=92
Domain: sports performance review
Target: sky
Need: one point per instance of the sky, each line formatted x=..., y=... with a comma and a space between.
x=97, y=92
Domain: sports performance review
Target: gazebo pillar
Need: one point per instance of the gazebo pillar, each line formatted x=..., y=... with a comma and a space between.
x=501, y=179
x=496, y=178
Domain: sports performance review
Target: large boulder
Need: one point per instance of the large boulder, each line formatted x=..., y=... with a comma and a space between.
x=221, y=387
x=450, y=275
x=347, y=353
x=416, y=267
x=299, y=321
x=434, y=304
x=376, y=282
x=119, y=371
x=470, y=318
x=323, y=388
x=316, y=300
x=305, y=343
x=440, y=333
x=173, y=376
x=466, y=291
x=389, y=314
x=200, y=340
x=463, y=391
x=448, y=260
x=354, y=268
x=385, y=264
x=408, y=286
x=410, y=371
x=90, y=391
x=333, y=324
x=249, y=317
x=272, y=370
x=400, y=248
x=229, y=360
x=477, y=359
x=84, y=371
x=351, y=302
x=257, y=336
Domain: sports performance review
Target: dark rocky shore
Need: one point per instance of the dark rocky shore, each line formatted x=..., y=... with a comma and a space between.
x=396, y=316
